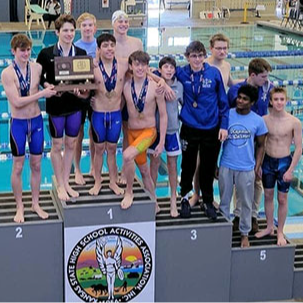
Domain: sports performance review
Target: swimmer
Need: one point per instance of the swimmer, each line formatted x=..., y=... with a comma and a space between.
x=64, y=109
x=142, y=99
x=21, y=84
x=167, y=68
x=278, y=165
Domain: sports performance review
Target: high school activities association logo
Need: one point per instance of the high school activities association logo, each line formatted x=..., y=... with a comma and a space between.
x=110, y=264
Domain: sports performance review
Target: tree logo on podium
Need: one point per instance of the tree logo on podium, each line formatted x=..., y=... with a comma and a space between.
x=110, y=264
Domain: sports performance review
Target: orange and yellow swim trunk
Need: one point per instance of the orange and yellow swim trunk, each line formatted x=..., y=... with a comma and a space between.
x=141, y=139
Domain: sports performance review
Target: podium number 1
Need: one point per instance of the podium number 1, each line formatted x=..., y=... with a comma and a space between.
x=193, y=234
x=19, y=232
x=110, y=213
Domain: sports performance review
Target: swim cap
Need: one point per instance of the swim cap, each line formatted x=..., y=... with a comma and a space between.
x=118, y=15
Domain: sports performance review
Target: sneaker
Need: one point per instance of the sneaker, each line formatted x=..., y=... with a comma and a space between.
x=210, y=211
x=185, y=209
x=244, y=241
x=254, y=225
x=236, y=222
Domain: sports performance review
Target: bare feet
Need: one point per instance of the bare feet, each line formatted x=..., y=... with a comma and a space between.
x=127, y=201
x=19, y=217
x=281, y=240
x=62, y=194
x=116, y=189
x=94, y=191
x=173, y=208
x=40, y=212
x=158, y=209
x=194, y=200
x=121, y=179
x=92, y=172
x=71, y=192
x=264, y=232
x=244, y=242
x=79, y=178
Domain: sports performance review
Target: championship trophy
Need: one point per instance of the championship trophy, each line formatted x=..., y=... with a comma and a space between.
x=74, y=72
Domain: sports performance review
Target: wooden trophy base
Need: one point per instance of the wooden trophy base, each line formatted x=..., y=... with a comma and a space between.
x=63, y=87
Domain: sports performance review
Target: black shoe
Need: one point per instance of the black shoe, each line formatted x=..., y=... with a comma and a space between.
x=185, y=209
x=210, y=211
x=254, y=225
x=236, y=222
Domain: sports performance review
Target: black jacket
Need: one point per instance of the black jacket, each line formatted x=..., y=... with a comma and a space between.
x=67, y=103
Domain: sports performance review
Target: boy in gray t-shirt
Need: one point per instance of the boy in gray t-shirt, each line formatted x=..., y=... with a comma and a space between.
x=167, y=68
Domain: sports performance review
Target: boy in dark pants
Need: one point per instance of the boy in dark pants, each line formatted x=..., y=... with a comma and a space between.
x=204, y=117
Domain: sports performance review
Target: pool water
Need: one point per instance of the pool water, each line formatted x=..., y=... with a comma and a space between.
x=172, y=41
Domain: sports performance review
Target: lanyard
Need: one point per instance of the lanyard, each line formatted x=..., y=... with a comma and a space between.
x=109, y=82
x=24, y=83
x=139, y=102
x=71, y=51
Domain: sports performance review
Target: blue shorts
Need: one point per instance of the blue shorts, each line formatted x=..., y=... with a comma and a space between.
x=273, y=170
x=106, y=127
x=172, y=144
x=30, y=128
x=70, y=123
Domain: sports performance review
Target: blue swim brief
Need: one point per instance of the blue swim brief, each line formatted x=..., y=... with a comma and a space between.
x=172, y=144
x=273, y=170
x=30, y=128
x=70, y=124
x=106, y=126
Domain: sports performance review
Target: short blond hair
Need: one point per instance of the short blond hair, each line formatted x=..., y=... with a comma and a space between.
x=86, y=16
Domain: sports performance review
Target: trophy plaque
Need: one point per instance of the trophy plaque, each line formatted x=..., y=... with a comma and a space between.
x=74, y=72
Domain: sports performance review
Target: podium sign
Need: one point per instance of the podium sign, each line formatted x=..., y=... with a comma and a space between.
x=71, y=69
x=110, y=263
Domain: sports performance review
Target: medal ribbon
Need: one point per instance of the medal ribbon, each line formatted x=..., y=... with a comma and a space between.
x=192, y=79
x=71, y=51
x=139, y=102
x=24, y=83
x=109, y=82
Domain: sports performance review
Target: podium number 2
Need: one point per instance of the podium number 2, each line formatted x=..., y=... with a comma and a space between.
x=19, y=233
x=110, y=213
x=193, y=234
x=262, y=255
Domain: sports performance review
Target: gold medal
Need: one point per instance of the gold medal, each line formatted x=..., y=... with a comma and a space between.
x=195, y=104
x=141, y=115
x=110, y=94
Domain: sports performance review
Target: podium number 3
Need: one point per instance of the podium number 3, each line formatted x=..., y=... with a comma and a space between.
x=262, y=255
x=193, y=234
x=19, y=233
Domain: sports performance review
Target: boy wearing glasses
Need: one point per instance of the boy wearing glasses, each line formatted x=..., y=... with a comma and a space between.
x=204, y=117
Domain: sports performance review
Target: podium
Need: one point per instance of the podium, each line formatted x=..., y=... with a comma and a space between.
x=262, y=272
x=31, y=254
x=102, y=240
x=298, y=273
x=192, y=257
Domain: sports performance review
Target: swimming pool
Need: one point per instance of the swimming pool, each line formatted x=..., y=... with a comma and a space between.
x=244, y=42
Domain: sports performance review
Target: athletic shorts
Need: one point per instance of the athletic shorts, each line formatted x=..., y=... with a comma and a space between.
x=273, y=170
x=141, y=139
x=70, y=124
x=30, y=128
x=106, y=127
x=172, y=145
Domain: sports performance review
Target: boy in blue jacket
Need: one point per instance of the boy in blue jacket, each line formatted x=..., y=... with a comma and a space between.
x=204, y=117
